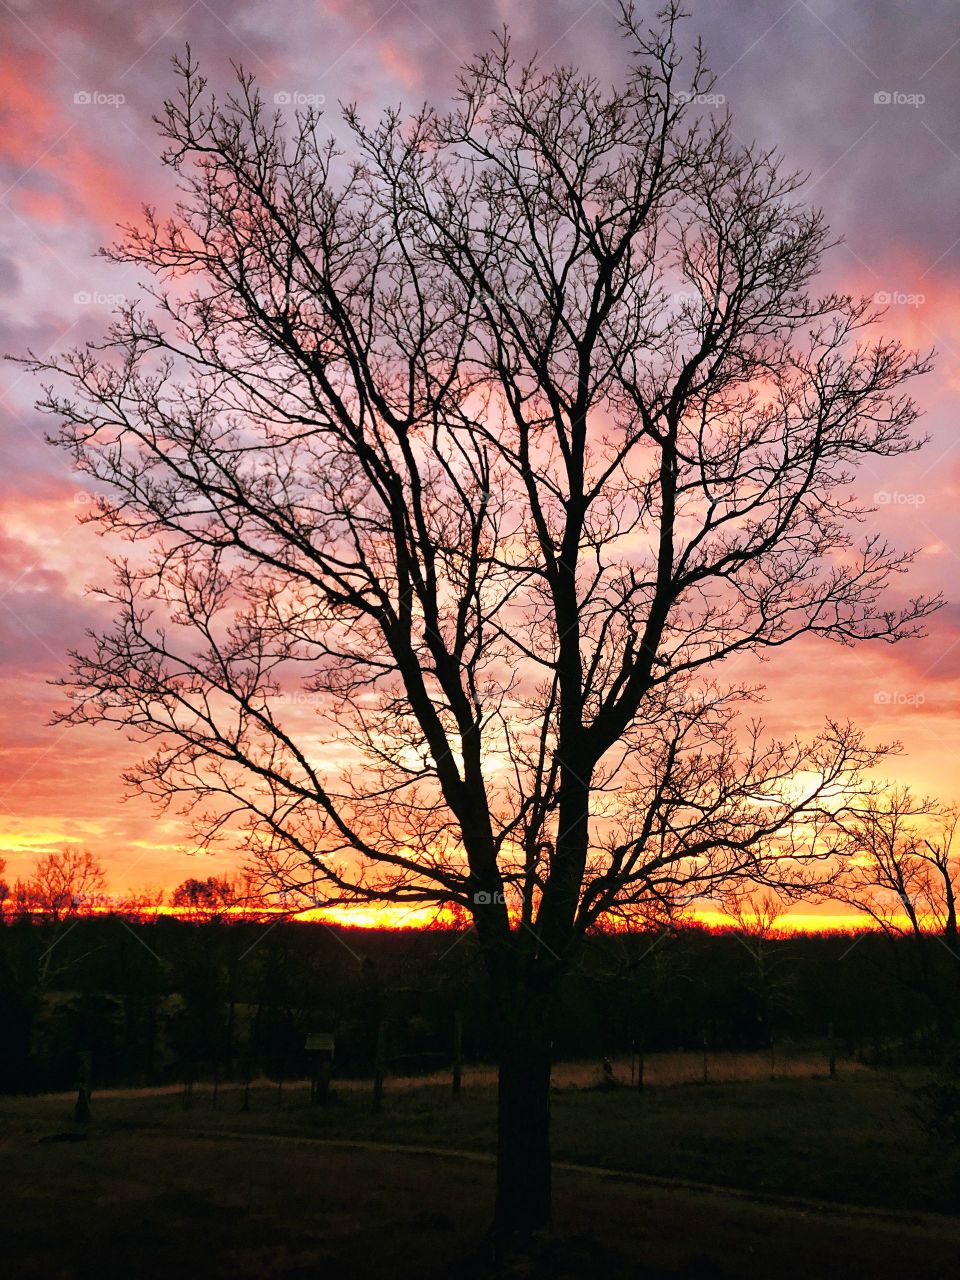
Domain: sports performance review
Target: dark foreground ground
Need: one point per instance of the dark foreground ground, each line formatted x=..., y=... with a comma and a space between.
x=811, y=1178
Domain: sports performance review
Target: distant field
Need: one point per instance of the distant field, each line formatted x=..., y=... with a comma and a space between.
x=807, y=1177
x=660, y=1069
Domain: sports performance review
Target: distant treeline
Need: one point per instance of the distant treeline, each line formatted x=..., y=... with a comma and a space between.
x=169, y=1000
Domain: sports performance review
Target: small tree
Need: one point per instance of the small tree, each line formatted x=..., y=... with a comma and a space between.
x=65, y=884
x=756, y=919
x=486, y=445
x=900, y=865
x=208, y=899
x=139, y=904
x=902, y=871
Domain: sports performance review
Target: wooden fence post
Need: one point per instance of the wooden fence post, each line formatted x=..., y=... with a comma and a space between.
x=81, y=1110
x=457, y=1053
x=379, y=1064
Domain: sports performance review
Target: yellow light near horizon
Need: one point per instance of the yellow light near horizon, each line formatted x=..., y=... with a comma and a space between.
x=793, y=921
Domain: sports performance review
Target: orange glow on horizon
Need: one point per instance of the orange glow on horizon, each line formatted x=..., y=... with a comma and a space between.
x=394, y=917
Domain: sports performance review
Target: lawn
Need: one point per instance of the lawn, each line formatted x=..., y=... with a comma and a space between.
x=812, y=1177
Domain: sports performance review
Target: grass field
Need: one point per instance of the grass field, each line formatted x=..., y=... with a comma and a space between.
x=791, y=1176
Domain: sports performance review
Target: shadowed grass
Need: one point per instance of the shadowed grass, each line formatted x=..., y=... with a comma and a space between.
x=854, y=1140
x=153, y=1205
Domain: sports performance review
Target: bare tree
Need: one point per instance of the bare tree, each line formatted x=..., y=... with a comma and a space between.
x=754, y=915
x=900, y=867
x=486, y=442
x=756, y=919
x=139, y=904
x=64, y=884
x=209, y=899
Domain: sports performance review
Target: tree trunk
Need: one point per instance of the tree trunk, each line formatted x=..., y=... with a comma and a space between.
x=523, y=1123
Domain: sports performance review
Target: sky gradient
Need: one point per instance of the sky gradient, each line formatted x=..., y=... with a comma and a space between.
x=864, y=96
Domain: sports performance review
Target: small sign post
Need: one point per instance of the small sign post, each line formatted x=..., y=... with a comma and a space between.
x=321, y=1045
x=457, y=1052
x=379, y=1065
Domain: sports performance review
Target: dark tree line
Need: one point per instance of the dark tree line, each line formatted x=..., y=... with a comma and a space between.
x=216, y=1001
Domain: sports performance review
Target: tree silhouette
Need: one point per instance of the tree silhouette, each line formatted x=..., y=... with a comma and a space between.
x=901, y=870
x=4, y=892
x=901, y=867
x=64, y=884
x=204, y=899
x=756, y=919
x=465, y=458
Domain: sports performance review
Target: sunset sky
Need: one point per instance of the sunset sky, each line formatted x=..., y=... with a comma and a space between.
x=862, y=94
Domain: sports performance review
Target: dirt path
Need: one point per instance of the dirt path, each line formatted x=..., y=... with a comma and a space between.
x=915, y=1221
